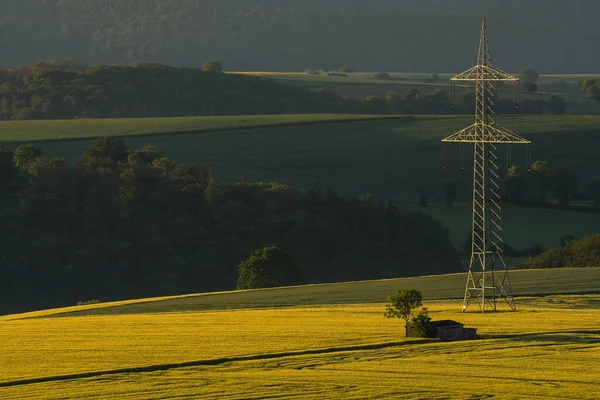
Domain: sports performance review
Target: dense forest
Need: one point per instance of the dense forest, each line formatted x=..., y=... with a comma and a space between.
x=397, y=35
x=122, y=224
x=55, y=90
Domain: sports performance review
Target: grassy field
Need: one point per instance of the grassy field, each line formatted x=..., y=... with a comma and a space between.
x=439, y=287
x=386, y=157
x=22, y=131
x=399, y=77
x=362, y=84
x=549, y=349
x=522, y=226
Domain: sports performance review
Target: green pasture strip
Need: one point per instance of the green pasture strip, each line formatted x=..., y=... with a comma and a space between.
x=49, y=130
x=525, y=283
x=522, y=226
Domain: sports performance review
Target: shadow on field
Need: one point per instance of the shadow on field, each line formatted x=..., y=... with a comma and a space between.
x=212, y=362
x=588, y=336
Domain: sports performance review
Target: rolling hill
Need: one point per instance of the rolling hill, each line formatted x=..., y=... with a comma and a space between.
x=385, y=156
x=278, y=345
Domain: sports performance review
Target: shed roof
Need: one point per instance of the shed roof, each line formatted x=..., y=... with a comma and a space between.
x=446, y=322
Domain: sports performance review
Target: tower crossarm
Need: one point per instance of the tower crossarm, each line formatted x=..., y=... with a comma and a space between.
x=486, y=133
x=486, y=73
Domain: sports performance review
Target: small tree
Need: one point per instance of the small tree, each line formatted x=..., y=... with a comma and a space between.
x=402, y=304
x=528, y=75
x=345, y=69
x=268, y=267
x=384, y=76
x=213, y=66
x=26, y=154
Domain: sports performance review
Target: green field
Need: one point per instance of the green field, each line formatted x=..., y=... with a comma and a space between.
x=22, y=131
x=362, y=84
x=309, y=342
x=522, y=226
x=385, y=157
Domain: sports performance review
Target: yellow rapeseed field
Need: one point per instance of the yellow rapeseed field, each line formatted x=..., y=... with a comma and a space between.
x=549, y=349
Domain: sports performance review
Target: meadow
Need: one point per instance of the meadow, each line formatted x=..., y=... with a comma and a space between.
x=86, y=128
x=550, y=348
x=359, y=85
x=386, y=157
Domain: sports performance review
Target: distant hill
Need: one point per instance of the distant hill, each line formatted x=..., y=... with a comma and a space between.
x=400, y=35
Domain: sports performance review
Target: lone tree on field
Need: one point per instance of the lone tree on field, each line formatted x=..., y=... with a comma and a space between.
x=402, y=304
x=213, y=66
x=268, y=267
x=528, y=78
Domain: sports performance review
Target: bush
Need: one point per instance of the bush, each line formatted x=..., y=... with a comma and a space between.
x=213, y=66
x=268, y=267
x=421, y=325
x=578, y=253
x=345, y=69
x=384, y=76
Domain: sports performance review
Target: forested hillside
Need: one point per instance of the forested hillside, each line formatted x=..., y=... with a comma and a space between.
x=47, y=90
x=401, y=35
x=122, y=224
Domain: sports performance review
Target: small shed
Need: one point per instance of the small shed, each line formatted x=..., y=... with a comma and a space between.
x=448, y=330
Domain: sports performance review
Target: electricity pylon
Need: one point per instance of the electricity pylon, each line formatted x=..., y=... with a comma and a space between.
x=484, y=283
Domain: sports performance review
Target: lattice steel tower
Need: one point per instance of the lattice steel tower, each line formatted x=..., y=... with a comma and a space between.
x=487, y=280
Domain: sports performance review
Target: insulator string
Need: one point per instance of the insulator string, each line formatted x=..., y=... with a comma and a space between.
x=462, y=156
x=444, y=156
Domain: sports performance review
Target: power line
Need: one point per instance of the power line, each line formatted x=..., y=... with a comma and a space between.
x=560, y=31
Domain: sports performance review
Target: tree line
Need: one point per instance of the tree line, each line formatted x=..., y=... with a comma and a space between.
x=572, y=253
x=121, y=223
x=62, y=90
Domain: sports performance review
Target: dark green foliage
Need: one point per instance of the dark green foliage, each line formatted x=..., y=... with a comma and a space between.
x=421, y=325
x=43, y=91
x=572, y=253
x=528, y=75
x=542, y=180
x=268, y=267
x=121, y=224
x=591, y=87
x=384, y=76
x=213, y=66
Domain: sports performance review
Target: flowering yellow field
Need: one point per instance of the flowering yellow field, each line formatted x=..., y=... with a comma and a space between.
x=549, y=349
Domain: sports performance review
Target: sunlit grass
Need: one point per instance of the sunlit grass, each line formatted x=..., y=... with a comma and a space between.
x=538, y=352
